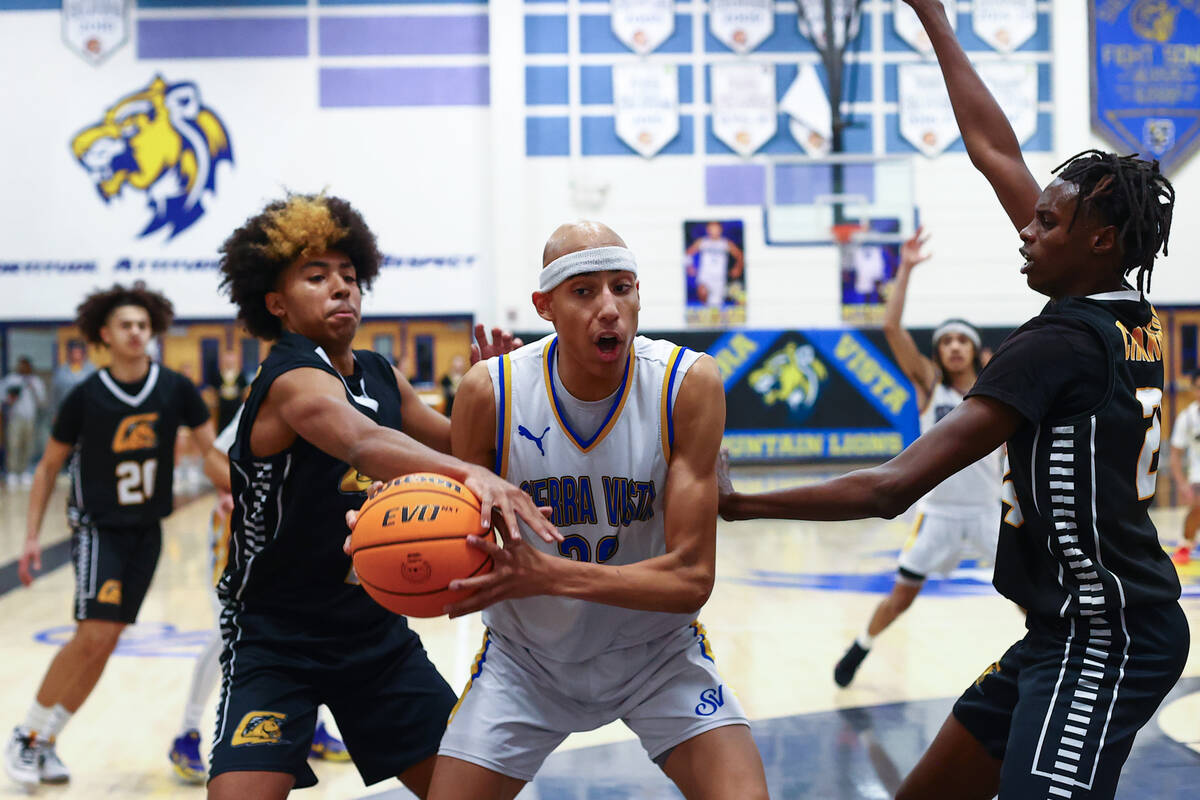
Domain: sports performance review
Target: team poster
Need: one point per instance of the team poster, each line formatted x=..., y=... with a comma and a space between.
x=714, y=273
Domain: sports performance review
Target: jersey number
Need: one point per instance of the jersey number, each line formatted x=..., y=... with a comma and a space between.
x=577, y=548
x=1151, y=400
x=135, y=481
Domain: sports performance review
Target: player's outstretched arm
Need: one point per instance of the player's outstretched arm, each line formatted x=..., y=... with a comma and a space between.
x=919, y=369
x=48, y=468
x=986, y=132
x=678, y=581
x=968, y=433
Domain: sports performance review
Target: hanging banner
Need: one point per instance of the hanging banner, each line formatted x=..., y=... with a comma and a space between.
x=95, y=29
x=807, y=106
x=1145, y=72
x=643, y=24
x=741, y=25
x=743, y=100
x=811, y=21
x=1015, y=87
x=646, y=98
x=1004, y=24
x=926, y=118
x=910, y=29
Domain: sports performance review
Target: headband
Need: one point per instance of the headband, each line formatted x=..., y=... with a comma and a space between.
x=957, y=326
x=597, y=259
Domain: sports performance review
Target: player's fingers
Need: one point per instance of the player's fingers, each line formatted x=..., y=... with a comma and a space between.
x=351, y=518
x=512, y=531
x=476, y=602
x=476, y=356
x=346, y=546
x=487, y=546
x=481, y=335
x=375, y=488
x=518, y=342
x=497, y=336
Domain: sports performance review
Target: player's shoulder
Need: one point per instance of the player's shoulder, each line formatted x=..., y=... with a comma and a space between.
x=659, y=351
x=534, y=352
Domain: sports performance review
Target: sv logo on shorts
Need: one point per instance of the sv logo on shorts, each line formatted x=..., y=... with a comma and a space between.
x=110, y=592
x=710, y=701
x=260, y=727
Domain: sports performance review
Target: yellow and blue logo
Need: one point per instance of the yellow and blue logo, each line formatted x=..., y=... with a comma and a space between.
x=260, y=727
x=792, y=375
x=161, y=141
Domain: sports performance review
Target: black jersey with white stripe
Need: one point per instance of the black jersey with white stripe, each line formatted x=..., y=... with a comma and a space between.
x=289, y=515
x=124, y=436
x=1076, y=537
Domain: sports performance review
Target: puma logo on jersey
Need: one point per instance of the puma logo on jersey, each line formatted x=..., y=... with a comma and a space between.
x=110, y=592
x=136, y=432
x=260, y=727
x=523, y=431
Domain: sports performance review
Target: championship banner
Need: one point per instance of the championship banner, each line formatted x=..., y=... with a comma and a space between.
x=741, y=25
x=1145, y=70
x=743, y=105
x=807, y=105
x=910, y=29
x=646, y=98
x=1015, y=87
x=811, y=21
x=95, y=29
x=642, y=25
x=926, y=117
x=1004, y=24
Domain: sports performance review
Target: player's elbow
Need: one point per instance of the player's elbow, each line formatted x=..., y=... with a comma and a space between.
x=697, y=588
x=890, y=496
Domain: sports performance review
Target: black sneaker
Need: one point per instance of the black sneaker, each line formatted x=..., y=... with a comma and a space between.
x=843, y=673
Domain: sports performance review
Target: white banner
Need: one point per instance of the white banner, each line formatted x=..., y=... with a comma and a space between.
x=742, y=25
x=743, y=105
x=811, y=21
x=1015, y=87
x=807, y=103
x=646, y=97
x=1004, y=24
x=643, y=24
x=926, y=118
x=95, y=28
x=910, y=29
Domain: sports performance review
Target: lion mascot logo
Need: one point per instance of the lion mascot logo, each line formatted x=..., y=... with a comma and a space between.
x=161, y=141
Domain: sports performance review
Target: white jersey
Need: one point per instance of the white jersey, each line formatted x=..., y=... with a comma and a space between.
x=976, y=485
x=712, y=268
x=605, y=487
x=1185, y=436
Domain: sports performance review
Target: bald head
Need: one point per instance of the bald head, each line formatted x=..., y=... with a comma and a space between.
x=572, y=237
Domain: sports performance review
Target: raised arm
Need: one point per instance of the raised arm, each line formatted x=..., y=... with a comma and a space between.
x=678, y=581
x=919, y=369
x=986, y=132
x=968, y=433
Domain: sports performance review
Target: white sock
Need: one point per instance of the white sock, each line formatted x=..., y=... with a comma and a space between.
x=865, y=640
x=204, y=678
x=37, y=720
x=59, y=717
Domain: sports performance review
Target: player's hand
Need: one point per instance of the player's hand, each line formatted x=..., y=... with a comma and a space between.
x=498, y=495
x=725, y=488
x=31, y=559
x=910, y=251
x=518, y=571
x=224, y=504
x=503, y=342
x=352, y=514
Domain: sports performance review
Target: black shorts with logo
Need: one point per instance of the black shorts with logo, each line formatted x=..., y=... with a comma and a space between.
x=388, y=700
x=1062, y=706
x=113, y=569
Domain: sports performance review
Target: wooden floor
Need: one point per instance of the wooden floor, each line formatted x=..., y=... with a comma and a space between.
x=789, y=598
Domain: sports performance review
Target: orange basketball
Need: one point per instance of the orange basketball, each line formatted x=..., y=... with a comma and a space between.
x=410, y=541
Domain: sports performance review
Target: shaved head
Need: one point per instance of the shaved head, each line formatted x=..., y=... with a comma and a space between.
x=572, y=237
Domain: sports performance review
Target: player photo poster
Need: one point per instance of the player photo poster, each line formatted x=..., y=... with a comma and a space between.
x=867, y=273
x=714, y=273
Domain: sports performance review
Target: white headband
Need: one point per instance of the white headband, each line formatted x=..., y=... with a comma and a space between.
x=956, y=326
x=597, y=259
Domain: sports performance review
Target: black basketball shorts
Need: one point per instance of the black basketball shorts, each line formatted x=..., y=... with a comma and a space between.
x=113, y=569
x=388, y=700
x=1062, y=706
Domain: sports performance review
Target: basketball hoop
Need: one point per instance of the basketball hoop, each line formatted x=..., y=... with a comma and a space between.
x=847, y=235
x=843, y=232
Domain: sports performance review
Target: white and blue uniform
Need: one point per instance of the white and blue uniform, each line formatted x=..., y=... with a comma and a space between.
x=712, y=269
x=554, y=665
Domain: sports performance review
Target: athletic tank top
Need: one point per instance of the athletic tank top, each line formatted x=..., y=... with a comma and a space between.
x=605, y=488
x=978, y=485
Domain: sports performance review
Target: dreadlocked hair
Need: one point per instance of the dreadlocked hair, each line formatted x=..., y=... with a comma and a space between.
x=1127, y=192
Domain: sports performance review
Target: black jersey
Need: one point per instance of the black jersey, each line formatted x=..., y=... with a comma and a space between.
x=124, y=437
x=289, y=514
x=1076, y=537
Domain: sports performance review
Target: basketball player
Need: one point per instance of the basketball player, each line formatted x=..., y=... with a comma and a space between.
x=320, y=417
x=959, y=518
x=1185, y=438
x=713, y=270
x=618, y=435
x=1075, y=392
x=119, y=427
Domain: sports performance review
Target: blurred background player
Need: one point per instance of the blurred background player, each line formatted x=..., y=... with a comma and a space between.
x=712, y=254
x=960, y=518
x=69, y=374
x=24, y=395
x=230, y=387
x=1185, y=439
x=601, y=626
x=119, y=427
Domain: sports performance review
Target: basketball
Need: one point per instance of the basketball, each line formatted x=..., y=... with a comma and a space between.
x=410, y=542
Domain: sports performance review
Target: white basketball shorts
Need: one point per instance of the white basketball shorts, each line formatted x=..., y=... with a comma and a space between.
x=944, y=536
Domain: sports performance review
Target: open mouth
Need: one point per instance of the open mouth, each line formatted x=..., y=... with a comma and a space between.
x=608, y=344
